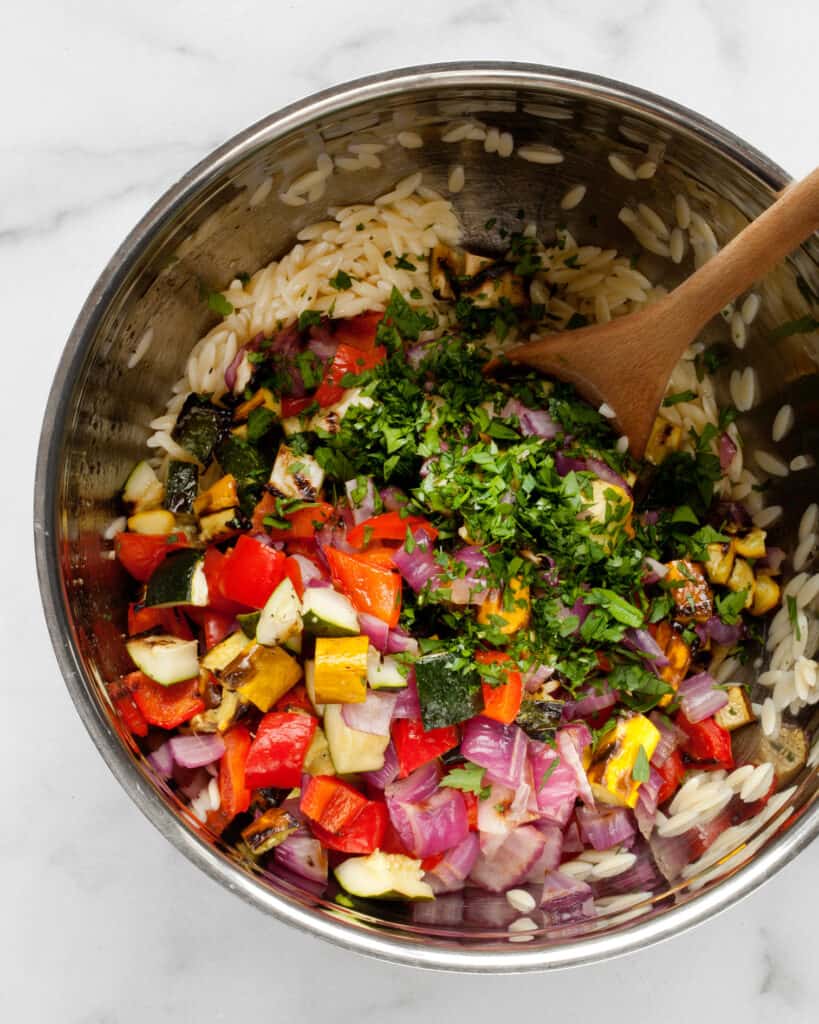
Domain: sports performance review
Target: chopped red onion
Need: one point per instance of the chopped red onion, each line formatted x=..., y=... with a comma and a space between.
x=727, y=451
x=196, y=751
x=700, y=697
x=549, y=858
x=641, y=640
x=646, y=810
x=511, y=863
x=417, y=786
x=572, y=843
x=604, y=471
x=732, y=512
x=398, y=642
x=564, y=464
x=310, y=572
x=720, y=632
x=420, y=567
x=375, y=629
x=535, y=677
x=772, y=562
x=408, y=705
x=386, y=775
x=605, y=828
x=642, y=876
x=373, y=715
x=161, y=760
x=232, y=370
x=566, y=899
x=533, y=422
x=332, y=536
x=364, y=508
x=557, y=795
x=304, y=856
x=450, y=874
x=572, y=740
x=494, y=823
x=436, y=824
x=654, y=570
x=500, y=749
x=393, y=499
x=322, y=343
x=592, y=701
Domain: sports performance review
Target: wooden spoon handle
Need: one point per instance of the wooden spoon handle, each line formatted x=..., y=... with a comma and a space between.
x=751, y=254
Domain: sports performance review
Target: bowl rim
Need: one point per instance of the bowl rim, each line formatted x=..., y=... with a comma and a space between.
x=380, y=944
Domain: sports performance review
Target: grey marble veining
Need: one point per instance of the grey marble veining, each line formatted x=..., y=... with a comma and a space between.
x=105, y=105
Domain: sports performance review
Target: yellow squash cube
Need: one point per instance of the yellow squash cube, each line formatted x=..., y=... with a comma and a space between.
x=766, y=595
x=752, y=545
x=341, y=670
x=742, y=578
x=263, y=675
x=611, y=769
x=720, y=561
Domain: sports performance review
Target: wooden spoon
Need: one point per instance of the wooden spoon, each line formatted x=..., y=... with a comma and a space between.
x=627, y=362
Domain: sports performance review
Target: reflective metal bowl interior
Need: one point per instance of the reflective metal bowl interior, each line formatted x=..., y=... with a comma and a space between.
x=225, y=217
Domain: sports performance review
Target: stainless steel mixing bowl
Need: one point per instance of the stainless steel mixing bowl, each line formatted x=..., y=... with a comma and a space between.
x=224, y=217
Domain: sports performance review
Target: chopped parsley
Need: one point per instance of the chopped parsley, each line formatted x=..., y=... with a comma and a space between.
x=469, y=779
x=642, y=769
x=341, y=281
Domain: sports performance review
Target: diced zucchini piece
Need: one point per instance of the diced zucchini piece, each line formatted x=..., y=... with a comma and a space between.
x=222, y=654
x=448, y=692
x=180, y=579
x=766, y=595
x=156, y=521
x=310, y=686
x=181, y=486
x=611, y=770
x=787, y=751
x=384, y=876
x=248, y=465
x=384, y=672
x=737, y=712
x=325, y=612
x=752, y=545
x=262, y=675
x=281, y=616
x=317, y=760
x=219, y=525
x=142, y=490
x=200, y=426
x=351, y=750
x=742, y=578
x=494, y=611
x=249, y=621
x=166, y=659
x=720, y=561
x=539, y=718
x=296, y=476
x=341, y=669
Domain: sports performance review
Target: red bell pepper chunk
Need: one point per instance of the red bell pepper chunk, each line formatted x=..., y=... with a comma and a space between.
x=277, y=752
x=165, y=706
x=671, y=771
x=251, y=572
x=123, y=700
x=331, y=803
x=303, y=521
x=295, y=406
x=363, y=835
x=391, y=843
x=501, y=702
x=471, y=801
x=347, y=360
x=388, y=526
x=431, y=863
x=215, y=626
x=169, y=620
x=142, y=553
x=213, y=566
x=234, y=795
x=292, y=571
x=370, y=588
x=708, y=743
x=415, y=747
x=295, y=699
x=358, y=331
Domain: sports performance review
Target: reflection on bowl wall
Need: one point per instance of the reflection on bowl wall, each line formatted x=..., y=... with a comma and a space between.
x=226, y=217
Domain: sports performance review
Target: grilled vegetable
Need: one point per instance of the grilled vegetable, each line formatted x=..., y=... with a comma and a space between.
x=508, y=613
x=350, y=749
x=341, y=670
x=318, y=760
x=280, y=619
x=220, y=718
x=752, y=545
x=200, y=426
x=268, y=831
x=448, y=691
x=219, y=526
x=737, y=712
x=181, y=485
x=296, y=476
x=678, y=654
x=766, y=595
x=221, y=494
x=788, y=751
x=180, y=579
x=539, y=718
x=142, y=490
x=664, y=439
x=220, y=656
x=262, y=675
x=384, y=673
x=165, y=659
x=690, y=591
x=325, y=612
x=742, y=578
x=262, y=398
x=384, y=876
x=720, y=561
x=612, y=768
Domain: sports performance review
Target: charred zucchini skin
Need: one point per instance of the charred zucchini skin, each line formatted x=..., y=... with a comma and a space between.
x=174, y=580
x=448, y=693
x=200, y=427
x=181, y=486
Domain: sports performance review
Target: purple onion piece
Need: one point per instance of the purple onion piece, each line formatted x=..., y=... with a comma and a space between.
x=566, y=899
x=373, y=715
x=161, y=760
x=196, y=751
x=417, y=786
x=436, y=824
x=386, y=775
x=604, y=829
x=500, y=749
x=701, y=697
x=450, y=874
x=511, y=863
x=303, y=856
x=376, y=630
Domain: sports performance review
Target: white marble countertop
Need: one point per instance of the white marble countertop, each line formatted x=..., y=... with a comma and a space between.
x=104, y=106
